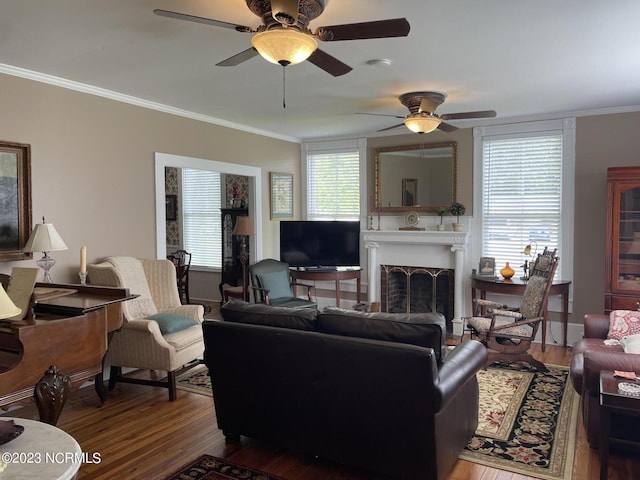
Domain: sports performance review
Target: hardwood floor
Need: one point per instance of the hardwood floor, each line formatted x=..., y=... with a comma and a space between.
x=140, y=434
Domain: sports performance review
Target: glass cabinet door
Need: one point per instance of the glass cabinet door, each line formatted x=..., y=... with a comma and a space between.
x=626, y=270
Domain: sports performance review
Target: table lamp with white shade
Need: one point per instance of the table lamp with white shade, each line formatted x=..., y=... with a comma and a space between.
x=45, y=238
x=8, y=309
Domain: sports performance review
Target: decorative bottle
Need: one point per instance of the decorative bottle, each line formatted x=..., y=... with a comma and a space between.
x=507, y=272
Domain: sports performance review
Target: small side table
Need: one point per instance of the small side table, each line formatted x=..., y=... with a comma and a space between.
x=42, y=451
x=614, y=402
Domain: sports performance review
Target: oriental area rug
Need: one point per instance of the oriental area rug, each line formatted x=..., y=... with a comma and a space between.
x=526, y=422
x=208, y=467
x=196, y=381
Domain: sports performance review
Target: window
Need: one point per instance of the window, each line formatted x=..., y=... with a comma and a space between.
x=526, y=191
x=201, y=222
x=333, y=181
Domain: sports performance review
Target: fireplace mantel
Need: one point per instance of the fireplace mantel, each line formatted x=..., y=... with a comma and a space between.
x=418, y=249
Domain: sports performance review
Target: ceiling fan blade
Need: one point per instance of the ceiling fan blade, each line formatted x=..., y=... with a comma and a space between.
x=397, y=27
x=391, y=128
x=285, y=11
x=463, y=115
x=203, y=20
x=380, y=115
x=238, y=58
x=329, y=63
x=445, y=127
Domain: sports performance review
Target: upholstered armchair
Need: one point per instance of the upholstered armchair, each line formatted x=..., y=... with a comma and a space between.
x=271, y=284
x=158, y=332
x=508, y=333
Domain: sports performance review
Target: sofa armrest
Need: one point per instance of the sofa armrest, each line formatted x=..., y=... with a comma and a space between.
x=457, y=368
x=596, y=325
x=597, y=360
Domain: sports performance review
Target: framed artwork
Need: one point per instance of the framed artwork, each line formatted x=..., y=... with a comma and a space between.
x=281, y=195
x=171, y=206
x=409, y=191
x=15, y=198
x=487, y=266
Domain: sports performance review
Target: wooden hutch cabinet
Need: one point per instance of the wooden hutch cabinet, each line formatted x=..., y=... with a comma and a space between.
x=231, y=247
x=622, y=263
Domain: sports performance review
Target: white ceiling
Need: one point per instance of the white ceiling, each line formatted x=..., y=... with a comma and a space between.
x=520, y=58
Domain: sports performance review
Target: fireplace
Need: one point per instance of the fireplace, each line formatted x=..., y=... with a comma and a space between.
x=434, y=263
x=406, y=289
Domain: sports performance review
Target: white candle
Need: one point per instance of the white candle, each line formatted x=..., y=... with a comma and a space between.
x=83, y=259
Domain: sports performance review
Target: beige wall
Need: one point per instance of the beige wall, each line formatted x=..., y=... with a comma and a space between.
x=92, y=162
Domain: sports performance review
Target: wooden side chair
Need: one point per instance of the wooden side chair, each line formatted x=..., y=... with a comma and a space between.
x=182, y=260
x=508, y=333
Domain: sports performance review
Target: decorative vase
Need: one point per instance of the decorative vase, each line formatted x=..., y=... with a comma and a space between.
x=507, y=272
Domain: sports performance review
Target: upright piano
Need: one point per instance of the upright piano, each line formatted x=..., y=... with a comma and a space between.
x=61, y=347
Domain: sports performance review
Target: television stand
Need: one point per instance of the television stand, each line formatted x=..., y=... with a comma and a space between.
x=318, y=274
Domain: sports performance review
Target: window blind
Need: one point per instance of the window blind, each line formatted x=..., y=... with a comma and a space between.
x=333, y=186
x=521, y=196
x=201, y=218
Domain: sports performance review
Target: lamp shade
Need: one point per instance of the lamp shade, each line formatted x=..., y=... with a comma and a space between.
x=243, y=226
x=422, y=122
x=44, y=238
x=8, y=309
x=284, y=46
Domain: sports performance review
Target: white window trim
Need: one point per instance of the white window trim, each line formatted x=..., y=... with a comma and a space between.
x=568, y=128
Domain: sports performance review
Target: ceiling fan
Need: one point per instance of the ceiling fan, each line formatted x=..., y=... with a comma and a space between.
x=285, y=38
x=422, y=117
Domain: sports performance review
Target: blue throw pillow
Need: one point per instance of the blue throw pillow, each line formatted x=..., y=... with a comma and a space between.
x=277, y=283
x=172, y=323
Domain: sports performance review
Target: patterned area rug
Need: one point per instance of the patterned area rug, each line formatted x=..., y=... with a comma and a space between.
x=527, y=421
x=208, y=467
x=195, y=380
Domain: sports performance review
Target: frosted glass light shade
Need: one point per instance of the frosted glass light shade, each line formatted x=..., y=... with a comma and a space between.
x=421, y=122
x=284, y=46
x=44, y=238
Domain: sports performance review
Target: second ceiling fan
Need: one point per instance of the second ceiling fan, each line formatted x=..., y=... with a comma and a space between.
x=422, y=117
x=284, y=36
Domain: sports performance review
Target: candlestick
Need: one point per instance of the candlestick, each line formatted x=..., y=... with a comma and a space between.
x=379, y=207
x=83, y=259
x=83, y=278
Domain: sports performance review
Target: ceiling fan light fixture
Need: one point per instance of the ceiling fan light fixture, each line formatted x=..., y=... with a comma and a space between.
x=422, y=122
x=284, y=46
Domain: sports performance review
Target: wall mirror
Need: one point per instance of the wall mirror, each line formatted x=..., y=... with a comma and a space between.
x=418, y=178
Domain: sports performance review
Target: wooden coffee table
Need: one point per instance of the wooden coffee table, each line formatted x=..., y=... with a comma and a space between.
x=614, y=403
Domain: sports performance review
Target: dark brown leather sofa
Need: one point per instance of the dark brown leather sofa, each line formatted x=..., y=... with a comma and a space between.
x=589, y=356
x=369, y=390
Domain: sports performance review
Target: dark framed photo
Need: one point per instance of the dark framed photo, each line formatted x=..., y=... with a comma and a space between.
x=171, y=206
x=487, y=267
x=15, y=198
x=409, y=191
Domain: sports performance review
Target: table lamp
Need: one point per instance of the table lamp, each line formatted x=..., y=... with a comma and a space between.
x=527, y=252
x=243, y=228
x=45, y=238
x=8, y=309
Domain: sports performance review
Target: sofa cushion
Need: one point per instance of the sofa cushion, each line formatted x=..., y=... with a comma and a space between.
x=236, y=310
x=277, y=283
x=421, y=329
x=623, y=323
x=631, y=343
x=171, y=323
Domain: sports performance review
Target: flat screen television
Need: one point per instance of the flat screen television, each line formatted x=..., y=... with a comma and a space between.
x=320, y=244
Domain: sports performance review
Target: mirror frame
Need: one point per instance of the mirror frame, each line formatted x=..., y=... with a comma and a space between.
x=421, y=146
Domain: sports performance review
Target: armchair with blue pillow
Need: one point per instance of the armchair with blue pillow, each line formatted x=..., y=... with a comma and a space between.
x=158, y=332
x=271, y=284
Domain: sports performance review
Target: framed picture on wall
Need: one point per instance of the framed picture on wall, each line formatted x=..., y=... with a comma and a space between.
x=281, y=195
x=171, y=206
x=15, y=196
x=409, y=191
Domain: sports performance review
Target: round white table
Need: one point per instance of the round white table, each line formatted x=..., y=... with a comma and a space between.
x=42, y=452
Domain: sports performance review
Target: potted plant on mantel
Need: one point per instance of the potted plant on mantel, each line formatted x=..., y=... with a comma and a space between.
x=458, y=209
x=442, y=211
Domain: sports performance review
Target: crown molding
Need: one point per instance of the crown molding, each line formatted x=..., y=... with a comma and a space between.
x=139, y=102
